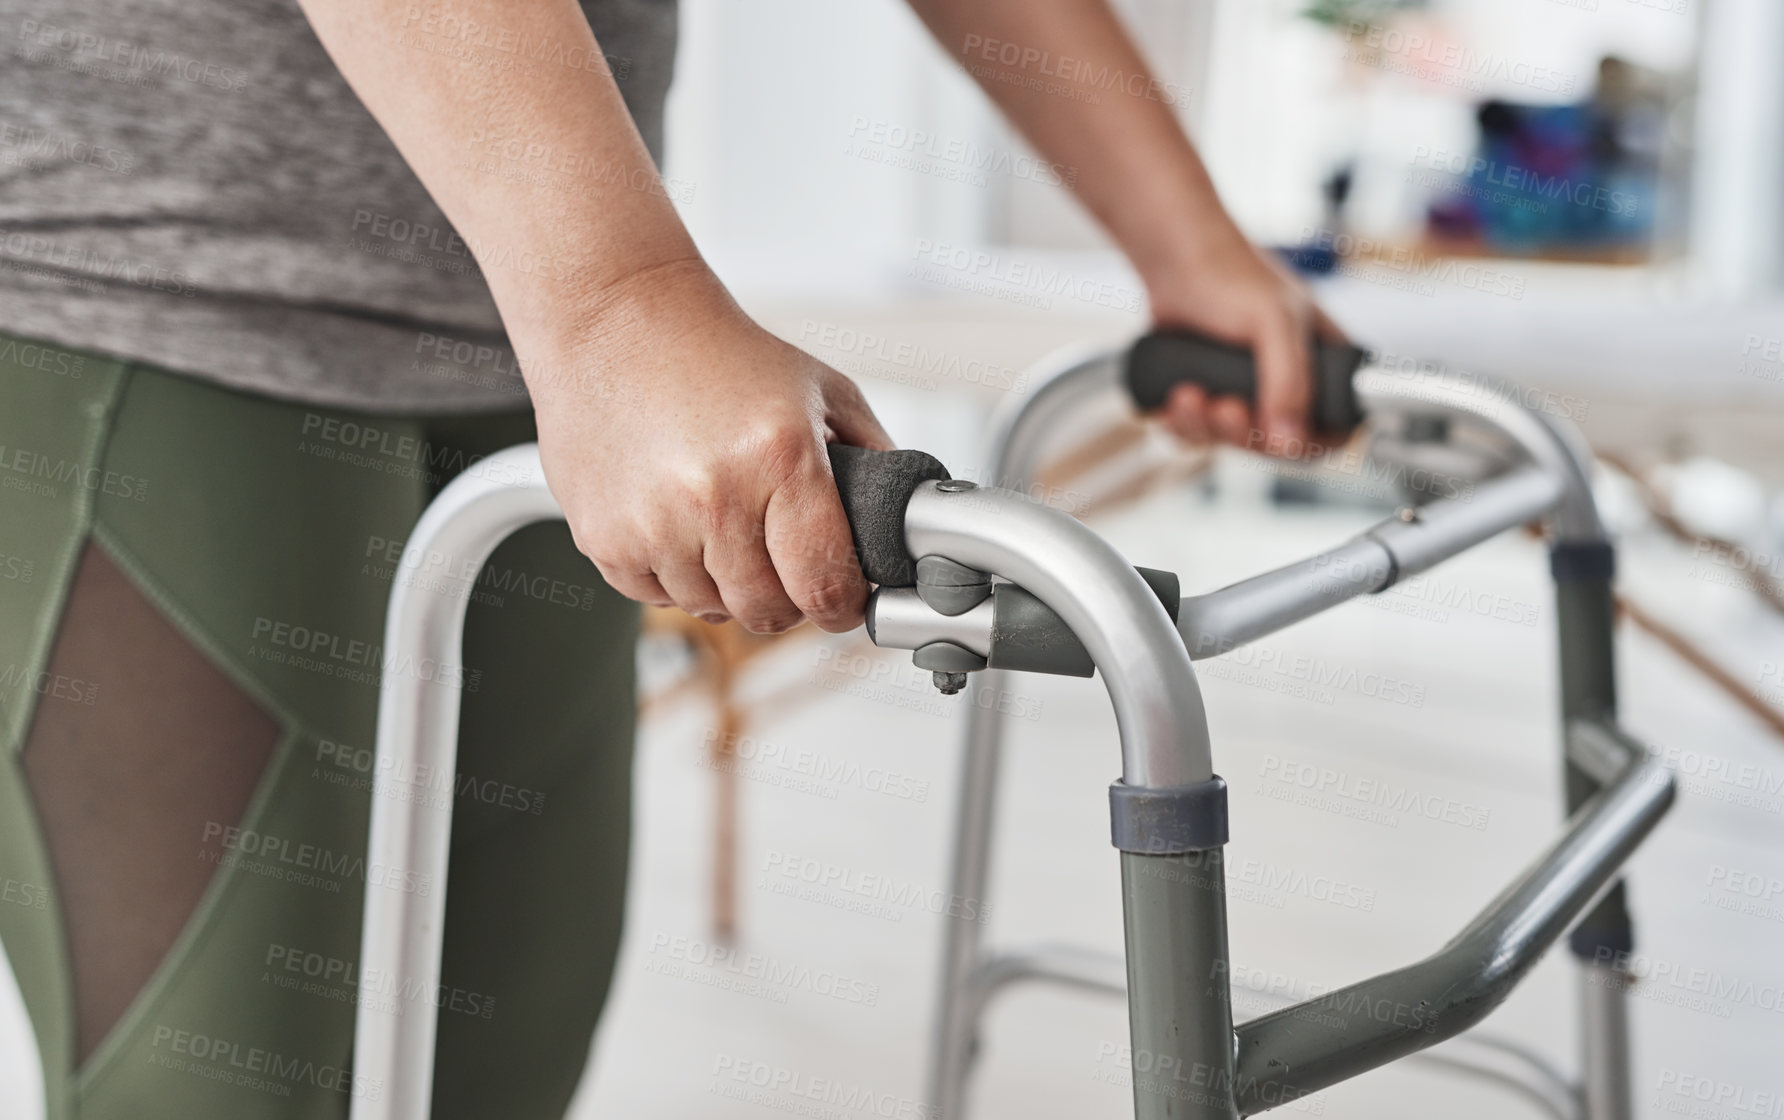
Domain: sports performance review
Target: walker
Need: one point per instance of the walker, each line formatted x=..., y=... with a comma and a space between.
x=982, y=580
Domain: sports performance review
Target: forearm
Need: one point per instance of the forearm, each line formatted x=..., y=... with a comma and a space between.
x=1068, y=76
x=538, y=166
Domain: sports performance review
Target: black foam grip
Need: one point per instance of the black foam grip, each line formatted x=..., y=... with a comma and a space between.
x=1165, y=359
x=875, y=487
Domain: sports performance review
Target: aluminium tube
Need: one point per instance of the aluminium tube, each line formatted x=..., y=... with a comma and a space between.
x=1219, y=621
x=954, y=1034
x=1019, y=436
x=1164, y=745
x=1101, y=599
x=1300, y=1050
x=418, y=729
x=1554, y=447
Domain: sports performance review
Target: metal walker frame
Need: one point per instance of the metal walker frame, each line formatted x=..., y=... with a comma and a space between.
x=1169, y=809
x=1277, y=1060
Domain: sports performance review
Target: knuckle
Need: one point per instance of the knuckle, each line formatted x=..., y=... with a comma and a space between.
x=786, y=450
x=699, y=489
x=828, y=596
x=767, y=623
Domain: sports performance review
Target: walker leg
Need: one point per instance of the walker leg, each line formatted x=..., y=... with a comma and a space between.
x=955, y=1035
x=1585, y=618
x=1180, y=1019
x=1604, y=1060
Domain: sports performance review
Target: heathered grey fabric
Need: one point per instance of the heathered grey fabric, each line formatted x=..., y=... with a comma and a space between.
x=192, y=184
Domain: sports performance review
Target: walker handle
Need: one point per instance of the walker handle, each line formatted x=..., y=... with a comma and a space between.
x=1168, y=357
x=875, y=487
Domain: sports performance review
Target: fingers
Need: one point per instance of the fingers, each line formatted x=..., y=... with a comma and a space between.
x=1284, y=379
x=1186, y=413
x=813, y=552
x=1231, y=420
x=1199, y=418
x=749, y=584
x=849, y=417
x=683, y=574
x=1326, y=328
x=640, y=587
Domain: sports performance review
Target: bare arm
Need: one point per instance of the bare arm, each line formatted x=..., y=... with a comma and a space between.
x=1068, y=76
x=685, y=443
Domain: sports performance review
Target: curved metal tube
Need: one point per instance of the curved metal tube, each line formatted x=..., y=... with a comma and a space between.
x=1135, y=645
x=1089, y=970
x=418, y=731
x=1557, y=450
x=1295, y=1052
x=1074, y=378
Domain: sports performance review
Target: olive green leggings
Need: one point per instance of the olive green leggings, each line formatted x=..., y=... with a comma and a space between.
x=269, y=534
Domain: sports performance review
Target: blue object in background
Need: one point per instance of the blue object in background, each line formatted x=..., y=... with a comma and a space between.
x=1549, y=179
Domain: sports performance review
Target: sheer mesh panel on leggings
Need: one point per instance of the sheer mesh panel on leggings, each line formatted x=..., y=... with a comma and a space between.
x=139, y=746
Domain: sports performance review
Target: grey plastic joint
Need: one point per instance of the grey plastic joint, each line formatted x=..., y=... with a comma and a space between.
x=949, y=587
x=1169, y=822
x=1027, y=637
x=1583, y=561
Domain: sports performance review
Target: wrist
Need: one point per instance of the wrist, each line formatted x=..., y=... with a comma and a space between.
x=601, y=327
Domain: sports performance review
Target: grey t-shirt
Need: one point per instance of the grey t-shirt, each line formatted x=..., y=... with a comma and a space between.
x=192, y=184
